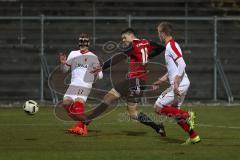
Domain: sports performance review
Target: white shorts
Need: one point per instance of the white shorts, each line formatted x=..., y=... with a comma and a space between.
x=74, y=92
x=169, y=98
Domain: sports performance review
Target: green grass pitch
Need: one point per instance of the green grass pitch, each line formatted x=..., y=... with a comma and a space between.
x=43, y=136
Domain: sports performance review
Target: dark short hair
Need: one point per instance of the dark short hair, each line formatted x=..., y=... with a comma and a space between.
x=84, y=35
x=128, y=30
x=166, y=27
x=84, y=40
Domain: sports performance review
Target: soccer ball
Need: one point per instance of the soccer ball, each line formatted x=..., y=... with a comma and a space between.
x=30, y=107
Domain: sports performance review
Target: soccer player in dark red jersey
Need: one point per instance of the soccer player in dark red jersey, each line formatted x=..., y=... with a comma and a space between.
x=130, y=87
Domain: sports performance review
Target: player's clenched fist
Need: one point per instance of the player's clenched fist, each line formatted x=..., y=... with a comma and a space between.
x=62, y=58
x=96, y=69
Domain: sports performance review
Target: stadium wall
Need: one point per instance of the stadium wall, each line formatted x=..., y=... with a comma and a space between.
x=20, y=39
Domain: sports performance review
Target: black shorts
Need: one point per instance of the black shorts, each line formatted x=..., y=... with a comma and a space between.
x=130, y=90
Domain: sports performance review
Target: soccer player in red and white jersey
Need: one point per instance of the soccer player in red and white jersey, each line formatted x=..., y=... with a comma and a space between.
x=130, y=86
x=80, y=62
x=169, y=102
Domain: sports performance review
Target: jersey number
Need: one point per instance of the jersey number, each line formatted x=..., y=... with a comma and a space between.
x=144, y=52
x=80, y=92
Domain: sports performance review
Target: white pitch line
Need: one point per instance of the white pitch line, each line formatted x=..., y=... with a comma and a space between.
x=216, y=126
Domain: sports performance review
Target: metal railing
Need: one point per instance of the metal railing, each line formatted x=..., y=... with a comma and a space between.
x=129, y=20
x=224, y=80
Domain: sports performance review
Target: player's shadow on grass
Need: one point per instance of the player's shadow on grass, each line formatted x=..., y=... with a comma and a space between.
x=92, y=131
x=171, y=140
x=133, y=133
x=30, y=139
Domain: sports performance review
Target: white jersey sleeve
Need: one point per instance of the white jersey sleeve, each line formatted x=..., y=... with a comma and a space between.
x=181, y=66
x=175, y=50
x=176, y=54
x=70, y=58
x=174, y=61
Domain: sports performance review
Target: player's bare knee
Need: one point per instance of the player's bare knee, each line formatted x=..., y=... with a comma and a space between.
x=133, y=115
x=157, y=107
x=132, y=110
x=79, y=100
x=111, y=96
x=67, y=101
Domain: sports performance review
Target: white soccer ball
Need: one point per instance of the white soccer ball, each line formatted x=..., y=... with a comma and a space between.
x=30, y=107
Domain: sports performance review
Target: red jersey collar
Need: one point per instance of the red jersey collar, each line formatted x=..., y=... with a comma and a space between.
x=170, y=41
x=84, y=51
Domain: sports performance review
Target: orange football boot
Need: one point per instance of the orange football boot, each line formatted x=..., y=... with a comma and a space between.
x=85, y=130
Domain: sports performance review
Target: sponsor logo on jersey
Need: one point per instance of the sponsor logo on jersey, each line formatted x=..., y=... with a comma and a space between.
x=142, y=44
x=82, y=65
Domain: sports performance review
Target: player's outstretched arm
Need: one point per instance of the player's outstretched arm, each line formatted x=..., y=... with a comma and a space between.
x=160, y=81
x=122, y=54
x=97, y=71
x=157, y=49
x=114, y=60
x=63, y=63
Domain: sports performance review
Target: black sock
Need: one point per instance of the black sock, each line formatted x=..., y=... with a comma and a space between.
x=144, y=119
x=98, y=110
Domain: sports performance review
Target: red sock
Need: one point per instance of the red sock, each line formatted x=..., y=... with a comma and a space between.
x=184, y=125
x=76, y=111
x=186, y=128
x=79, y=124
x=77, y=108
x=174, y=112
x=193, y=134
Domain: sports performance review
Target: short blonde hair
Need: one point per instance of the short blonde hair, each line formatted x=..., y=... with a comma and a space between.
x=166, y=28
